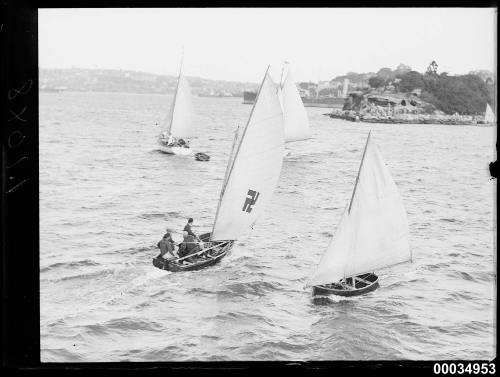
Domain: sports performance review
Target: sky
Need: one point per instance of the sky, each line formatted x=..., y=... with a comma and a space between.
x=238, y=44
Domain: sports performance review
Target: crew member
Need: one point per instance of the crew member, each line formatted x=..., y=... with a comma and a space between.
x=187, y=247
x=188, y=229
x=166, y=245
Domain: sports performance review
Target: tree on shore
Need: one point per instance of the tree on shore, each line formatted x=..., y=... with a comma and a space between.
x=376, y=82
x=410, y=81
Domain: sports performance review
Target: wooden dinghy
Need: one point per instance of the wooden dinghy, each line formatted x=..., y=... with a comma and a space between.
x=372, y=233
x=362, y=284
x=211, y=254
x=201, y=156
x=252, y=174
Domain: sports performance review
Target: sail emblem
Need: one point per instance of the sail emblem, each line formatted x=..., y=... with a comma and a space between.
x=250, y=201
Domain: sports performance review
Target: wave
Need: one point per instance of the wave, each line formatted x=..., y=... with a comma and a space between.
x=465, y=276
x=82, y=263
x=256, y=288
x=59, y=355
x=435, y=267
x=88, y=275
x=122, y=325
x=159, y=215
x=451, y=220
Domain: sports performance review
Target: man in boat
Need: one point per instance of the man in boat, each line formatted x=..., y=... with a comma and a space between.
x=183, y=246
x=182, y=143
x=171, y=141
x=188, y=229
x=166, y=245
x=188, y=246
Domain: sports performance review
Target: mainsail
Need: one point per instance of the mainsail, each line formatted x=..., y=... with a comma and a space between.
x=373, y=231
x=296, y=123
x=489, y=116
x=255, y=168
x=345, y=88
x=179, y=122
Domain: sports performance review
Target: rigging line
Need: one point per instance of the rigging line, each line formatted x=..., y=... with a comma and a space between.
x=269, y=117
x=246, y=126
x=281, y=78
x=226, y=178
x=265, y=151
x=359, y=171
x=175, y=94
x=381, y=268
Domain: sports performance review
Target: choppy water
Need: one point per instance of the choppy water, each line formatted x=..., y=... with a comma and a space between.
x=107, y=195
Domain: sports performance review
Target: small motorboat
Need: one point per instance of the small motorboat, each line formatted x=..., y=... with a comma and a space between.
x=362, y=284
x=201, y=156
x=212, y=253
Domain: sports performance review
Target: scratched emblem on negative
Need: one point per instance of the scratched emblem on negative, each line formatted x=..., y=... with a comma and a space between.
x=250, y=200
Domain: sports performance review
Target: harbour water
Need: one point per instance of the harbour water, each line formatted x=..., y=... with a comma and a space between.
x=107, y=195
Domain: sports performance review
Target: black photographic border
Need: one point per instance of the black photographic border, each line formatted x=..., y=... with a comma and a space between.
x=20, y=199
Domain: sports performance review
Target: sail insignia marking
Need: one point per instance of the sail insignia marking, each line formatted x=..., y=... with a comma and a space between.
x=250, y=200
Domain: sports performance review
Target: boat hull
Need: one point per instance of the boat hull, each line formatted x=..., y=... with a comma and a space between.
x=175, y=150
x=198, y=263
x=369, y=284
x=201, y=156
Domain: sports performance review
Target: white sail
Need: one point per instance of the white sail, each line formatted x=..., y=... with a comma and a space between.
x=345, y=88
x=179, y=122
x=373, y=232
x=296, y=123
x=255, y=168
x=489, y=116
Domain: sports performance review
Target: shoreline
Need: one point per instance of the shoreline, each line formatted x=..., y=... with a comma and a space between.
x=448, y=120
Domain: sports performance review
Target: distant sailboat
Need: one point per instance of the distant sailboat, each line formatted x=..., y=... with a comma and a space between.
x=372, y=233
x=252, y=174
x=295, y=120
x=489, y=116
x=178, y=125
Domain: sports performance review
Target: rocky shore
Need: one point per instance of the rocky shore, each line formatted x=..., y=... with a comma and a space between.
x=407, y=118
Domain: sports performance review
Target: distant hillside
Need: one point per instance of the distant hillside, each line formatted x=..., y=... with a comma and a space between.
x=112, y=80
x=463, y=94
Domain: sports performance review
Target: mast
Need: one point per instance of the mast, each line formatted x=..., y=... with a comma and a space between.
x=359, y=171
x=246, y=126
x=230, y=168
x=176, y=89
x=282, y=70
x=231, y=154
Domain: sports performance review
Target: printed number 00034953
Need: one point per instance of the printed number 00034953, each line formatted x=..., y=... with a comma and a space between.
x=464, y=368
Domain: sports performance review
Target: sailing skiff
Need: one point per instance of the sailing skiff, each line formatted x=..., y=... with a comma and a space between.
x=489, y=115
x=252, y=174
x=372, y=233
x=295, y=120
x=178, y=127
x=211, y=254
